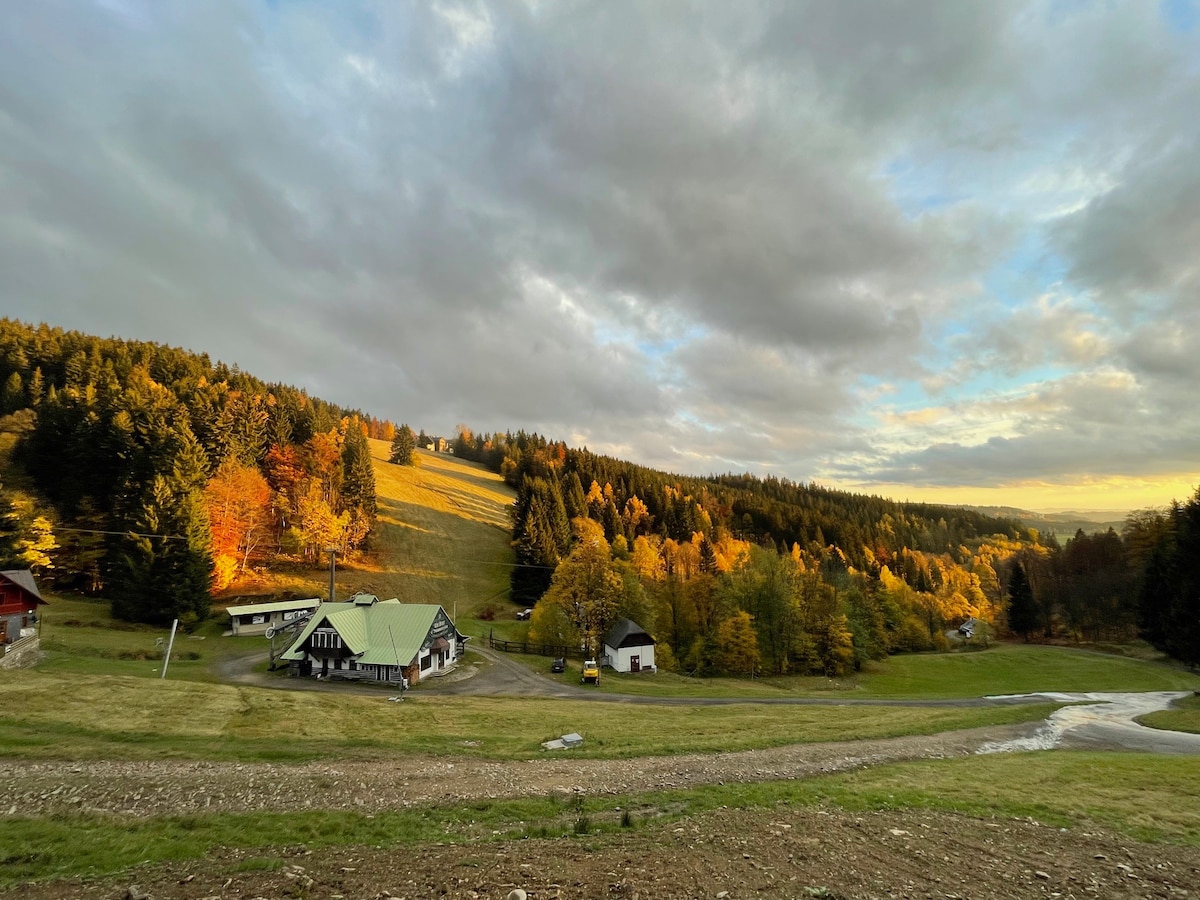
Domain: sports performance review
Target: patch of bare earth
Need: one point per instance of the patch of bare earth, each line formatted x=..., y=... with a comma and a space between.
x=725, y=854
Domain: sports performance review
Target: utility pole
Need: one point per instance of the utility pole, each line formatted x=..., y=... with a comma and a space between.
x=332, y=569
x=170, y=644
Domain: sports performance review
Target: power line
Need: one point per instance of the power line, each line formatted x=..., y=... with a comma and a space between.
x=165, y=537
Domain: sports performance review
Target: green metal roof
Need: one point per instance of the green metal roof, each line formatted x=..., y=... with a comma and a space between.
x=254, y=609
x=386, y=632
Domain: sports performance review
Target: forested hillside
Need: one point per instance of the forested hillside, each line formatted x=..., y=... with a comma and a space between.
x=151, y=475
x=738, y=574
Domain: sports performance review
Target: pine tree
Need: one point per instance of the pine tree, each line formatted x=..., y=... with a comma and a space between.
x=12, y=397
x=402, y=447
x=574, y=498
x=358, y=482
x=1022, y=609
x=37, y=387
x=161, y=569
x=1182, y=638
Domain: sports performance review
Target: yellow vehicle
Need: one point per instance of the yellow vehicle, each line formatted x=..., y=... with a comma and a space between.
x=591, y=672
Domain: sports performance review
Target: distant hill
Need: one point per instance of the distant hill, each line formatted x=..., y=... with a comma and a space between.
x=1063, y=523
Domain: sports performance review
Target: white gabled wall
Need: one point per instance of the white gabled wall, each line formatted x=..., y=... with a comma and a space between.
x=619, y=657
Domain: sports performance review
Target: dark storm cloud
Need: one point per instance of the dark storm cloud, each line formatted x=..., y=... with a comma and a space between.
x=689, y=232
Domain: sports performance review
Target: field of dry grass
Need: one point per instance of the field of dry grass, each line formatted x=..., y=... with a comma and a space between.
x=442, y=537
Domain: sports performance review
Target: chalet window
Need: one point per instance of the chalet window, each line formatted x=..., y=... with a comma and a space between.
x=426, y=662
x=326, y=640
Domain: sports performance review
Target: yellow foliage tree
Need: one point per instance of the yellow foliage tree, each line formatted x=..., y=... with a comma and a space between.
x=585, y=587
x=738, y=643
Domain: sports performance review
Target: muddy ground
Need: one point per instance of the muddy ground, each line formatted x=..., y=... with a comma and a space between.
x=727, y=854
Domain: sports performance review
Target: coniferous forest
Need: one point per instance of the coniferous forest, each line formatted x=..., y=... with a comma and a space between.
x=152, y=476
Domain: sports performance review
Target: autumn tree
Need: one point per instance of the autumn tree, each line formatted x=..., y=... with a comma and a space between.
x=738, y=643
x=586, y=586
x=238, y=500
x=27, y=534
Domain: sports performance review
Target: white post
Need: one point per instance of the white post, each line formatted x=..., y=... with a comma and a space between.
x=170, y=644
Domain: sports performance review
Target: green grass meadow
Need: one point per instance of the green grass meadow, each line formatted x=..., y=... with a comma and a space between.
x=64, y=717
x=1001, y=669
x=1183, y=716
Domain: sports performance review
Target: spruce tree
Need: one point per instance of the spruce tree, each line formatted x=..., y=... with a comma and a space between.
x=358, y=482
x=403, y=445
x=1182, y=639
x=1022, y=609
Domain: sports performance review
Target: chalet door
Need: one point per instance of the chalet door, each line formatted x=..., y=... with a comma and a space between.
x=635, y=664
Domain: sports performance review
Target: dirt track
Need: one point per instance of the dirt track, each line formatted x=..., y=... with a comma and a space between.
x=134, y=789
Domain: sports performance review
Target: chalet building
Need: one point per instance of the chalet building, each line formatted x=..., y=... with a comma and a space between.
x=19, y=600
x=628, y=648
x=256, y=618
x=368, y=639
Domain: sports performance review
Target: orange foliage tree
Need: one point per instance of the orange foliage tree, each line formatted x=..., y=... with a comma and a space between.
x=239, y=514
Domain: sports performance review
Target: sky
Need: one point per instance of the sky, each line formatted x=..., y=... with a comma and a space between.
x=939, y=251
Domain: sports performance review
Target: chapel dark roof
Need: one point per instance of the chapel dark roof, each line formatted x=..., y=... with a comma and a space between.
x=627, y=633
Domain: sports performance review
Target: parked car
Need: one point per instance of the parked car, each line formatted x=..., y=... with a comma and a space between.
x=559, y=665
x=524, y=614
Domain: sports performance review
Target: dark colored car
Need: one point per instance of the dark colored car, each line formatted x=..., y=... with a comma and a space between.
x=559, y=665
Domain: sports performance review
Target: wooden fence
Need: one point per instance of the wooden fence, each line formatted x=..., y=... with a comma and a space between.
x=532, y=649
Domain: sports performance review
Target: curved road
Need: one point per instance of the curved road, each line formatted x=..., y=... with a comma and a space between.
x=1097, y=721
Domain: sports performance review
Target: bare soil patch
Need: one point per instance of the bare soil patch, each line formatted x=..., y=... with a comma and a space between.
x=727, y=854
x=730, y=853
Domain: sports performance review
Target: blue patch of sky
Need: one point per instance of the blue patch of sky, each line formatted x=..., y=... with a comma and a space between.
x=661, y=348
x=1028, y=271
x=917, y=190
x=662, y=345
x=1180, y=15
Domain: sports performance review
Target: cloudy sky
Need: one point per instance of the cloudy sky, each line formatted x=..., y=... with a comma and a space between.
x=932, y=250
